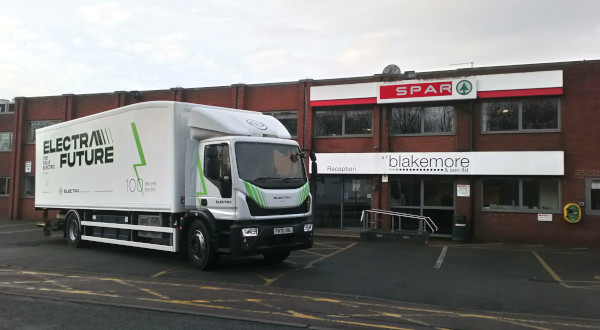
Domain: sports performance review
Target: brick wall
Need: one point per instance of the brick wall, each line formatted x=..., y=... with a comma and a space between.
x=580, y=129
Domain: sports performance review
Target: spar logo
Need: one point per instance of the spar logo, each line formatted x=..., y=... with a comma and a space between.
x=464, y=87
x=428, y=89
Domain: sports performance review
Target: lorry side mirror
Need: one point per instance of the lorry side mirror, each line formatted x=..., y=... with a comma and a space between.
x=311, y=154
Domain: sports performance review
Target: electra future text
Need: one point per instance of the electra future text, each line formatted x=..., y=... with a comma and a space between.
x=82, y=149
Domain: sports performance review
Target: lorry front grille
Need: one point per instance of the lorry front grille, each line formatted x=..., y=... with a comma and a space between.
x=256, y=210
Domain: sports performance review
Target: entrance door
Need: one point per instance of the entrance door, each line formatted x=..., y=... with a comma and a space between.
x=340, y=201
x=430, y=197
x=356, y=196
x=328, y=209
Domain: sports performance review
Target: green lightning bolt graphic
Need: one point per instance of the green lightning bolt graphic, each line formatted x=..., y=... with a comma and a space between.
x=140, y=151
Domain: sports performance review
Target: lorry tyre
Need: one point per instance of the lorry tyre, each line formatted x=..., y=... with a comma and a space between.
x=73, y=230
x=276, y=256
x=199, y=245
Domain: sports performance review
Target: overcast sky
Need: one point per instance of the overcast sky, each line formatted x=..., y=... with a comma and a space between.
x=86, y=46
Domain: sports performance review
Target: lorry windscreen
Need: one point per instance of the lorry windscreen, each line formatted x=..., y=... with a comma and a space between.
x=270, y=165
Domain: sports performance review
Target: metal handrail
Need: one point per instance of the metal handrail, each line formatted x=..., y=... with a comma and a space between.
x=423, y=220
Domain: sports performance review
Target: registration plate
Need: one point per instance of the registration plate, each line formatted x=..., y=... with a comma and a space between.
x=283, y=230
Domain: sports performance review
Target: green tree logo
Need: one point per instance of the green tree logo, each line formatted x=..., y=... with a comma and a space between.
x=464, y=87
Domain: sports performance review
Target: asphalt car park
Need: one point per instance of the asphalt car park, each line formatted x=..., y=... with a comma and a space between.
x=344, y=282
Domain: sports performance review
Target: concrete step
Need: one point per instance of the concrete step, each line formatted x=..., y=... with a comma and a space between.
x=405, y=236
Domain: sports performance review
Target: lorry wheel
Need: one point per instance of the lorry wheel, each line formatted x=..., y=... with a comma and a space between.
x=73, y=231
x=276, y=256
x=199, y=245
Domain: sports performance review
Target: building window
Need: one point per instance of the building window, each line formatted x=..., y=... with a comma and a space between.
x=7, y=107
x=592, y=192
x=510, y=194
x=343, y=122
x=33, y=125
x=6, y=141
x=4, y=184
x=422, y=120
x=521, y=115
x=29, y=186
x=289, y=119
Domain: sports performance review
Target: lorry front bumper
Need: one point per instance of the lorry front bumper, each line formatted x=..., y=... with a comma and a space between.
x=272, y=236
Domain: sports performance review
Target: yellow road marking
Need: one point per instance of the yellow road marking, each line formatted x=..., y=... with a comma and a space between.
x=309, y=264
x=164, y=272
x=270, y=280
x=334, y=301
x=149, y=291
x=154, y=293
x=84, y=292
x=304, y=316
x=342, y=319
x=371, y=325
x=548, y=269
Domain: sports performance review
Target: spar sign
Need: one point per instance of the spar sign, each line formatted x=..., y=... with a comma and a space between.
x=427, y=90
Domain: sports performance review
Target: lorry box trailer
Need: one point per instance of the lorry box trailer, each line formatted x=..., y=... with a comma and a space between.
x=176, y=176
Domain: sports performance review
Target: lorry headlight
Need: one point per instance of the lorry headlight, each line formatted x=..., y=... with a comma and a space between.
x=249, y=232
x=308, y=227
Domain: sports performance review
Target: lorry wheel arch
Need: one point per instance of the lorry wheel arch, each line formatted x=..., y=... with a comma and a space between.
x=73, y=230
x=199, y=244
x=204, y=216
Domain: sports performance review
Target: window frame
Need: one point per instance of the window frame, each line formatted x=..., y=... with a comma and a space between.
x=421, y=184
x=7, y=108
x=421, y=108
x=344, y=111
x=520, y=101
x=286, y=112
x=519, y=208
x=11, y=141
x=32, y=134
x=588, y=196
x=6, y=185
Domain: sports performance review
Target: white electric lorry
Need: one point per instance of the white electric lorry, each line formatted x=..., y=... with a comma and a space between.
x=177, y=177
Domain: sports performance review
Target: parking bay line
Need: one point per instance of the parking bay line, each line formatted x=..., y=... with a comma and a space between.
x=548, y=269
x=21, y=224
x=18, y=231
x=438, y=264
x=269, y=281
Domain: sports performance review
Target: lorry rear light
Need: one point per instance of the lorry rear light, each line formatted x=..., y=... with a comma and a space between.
x=308, y=227
x=249, y=232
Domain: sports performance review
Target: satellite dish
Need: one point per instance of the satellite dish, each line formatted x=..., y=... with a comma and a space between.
x=392, y=69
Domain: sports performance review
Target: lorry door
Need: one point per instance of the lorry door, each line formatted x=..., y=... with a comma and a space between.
x=217, y=167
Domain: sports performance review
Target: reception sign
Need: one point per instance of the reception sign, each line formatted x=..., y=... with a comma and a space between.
x=444, y=163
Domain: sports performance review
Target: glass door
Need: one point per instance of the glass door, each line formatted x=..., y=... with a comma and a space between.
x=328, y=209
x=356, y=195
x=430, y=197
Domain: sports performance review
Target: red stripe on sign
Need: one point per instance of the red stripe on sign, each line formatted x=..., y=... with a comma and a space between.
x=521, y=92
x=368, y=100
